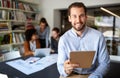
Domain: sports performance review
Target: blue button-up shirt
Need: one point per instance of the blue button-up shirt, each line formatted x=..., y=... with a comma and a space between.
x=91, y=40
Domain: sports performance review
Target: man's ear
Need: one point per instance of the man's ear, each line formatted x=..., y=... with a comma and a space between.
x=69, y=18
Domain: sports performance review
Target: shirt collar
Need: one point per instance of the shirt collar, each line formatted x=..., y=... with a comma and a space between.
x=83, y=34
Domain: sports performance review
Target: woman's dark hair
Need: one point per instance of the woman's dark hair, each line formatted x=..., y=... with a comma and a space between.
x=29, y=33
x=43, y=20
x=77, y=4
x=56, y=29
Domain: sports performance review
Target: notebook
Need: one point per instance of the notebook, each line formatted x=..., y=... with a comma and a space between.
x=83, y=58
x=42, y=52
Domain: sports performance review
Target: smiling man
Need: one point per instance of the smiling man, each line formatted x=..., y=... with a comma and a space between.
x=82, y=38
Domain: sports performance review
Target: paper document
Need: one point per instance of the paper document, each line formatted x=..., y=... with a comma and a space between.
x=3, y=76
x=28, y=68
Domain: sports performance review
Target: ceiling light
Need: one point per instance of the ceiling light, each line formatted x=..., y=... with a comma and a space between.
x=110, y=12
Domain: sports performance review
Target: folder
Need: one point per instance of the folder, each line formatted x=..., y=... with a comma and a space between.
x=83, y=58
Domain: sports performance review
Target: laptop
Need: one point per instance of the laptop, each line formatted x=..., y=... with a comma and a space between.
x=42, y=52
x=83, y=58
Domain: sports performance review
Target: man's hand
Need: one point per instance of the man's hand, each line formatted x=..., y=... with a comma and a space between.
x=68, y=67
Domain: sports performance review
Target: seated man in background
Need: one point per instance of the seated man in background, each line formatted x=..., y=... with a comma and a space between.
x=31, y=42
x=54, y=40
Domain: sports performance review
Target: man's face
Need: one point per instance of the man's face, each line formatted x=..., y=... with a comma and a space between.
x=55, y=34
x=77, y=18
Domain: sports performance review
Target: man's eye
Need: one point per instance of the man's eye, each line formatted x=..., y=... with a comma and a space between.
x=82, y=15
x=73, y=16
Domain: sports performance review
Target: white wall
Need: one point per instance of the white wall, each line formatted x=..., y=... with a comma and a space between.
x=49, y=8
x=34, y=1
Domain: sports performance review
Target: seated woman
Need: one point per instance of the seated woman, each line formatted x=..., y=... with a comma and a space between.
x=54, y=40
x=31, y=42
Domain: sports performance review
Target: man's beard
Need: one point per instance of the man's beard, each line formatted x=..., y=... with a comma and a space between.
x=79, y=29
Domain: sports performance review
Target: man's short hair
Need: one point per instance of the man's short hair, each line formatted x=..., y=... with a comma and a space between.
x=56, y=29
x=77, y=4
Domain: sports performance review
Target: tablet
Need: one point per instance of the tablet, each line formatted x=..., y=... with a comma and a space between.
x=83, y=58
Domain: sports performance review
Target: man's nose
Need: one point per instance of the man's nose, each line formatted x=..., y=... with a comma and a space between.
x=78, y=19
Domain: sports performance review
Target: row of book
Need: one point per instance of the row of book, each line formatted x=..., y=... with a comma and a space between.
x=14, y=26
x=4, y=26
x=18, y=37
x=16, y=4
x=18, y=15
x=25, y=7
x=12, y=38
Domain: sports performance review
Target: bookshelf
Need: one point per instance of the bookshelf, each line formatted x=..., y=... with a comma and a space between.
x=14, y=17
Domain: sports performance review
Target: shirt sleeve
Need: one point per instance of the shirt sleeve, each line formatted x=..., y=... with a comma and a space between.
x=103, y=60
x=61, y=57
x=47, y=36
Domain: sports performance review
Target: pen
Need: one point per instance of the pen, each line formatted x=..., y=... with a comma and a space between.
x=33, y=61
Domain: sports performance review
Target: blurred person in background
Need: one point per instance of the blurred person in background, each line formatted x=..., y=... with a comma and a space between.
x=43, y=32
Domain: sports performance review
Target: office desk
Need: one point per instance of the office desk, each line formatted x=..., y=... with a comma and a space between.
x=49, y=72
x=52, y=72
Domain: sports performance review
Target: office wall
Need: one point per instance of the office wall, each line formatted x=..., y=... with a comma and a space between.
x=34, y=1
x=50, y=8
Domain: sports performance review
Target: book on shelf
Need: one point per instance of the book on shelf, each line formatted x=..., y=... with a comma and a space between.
x=17, y=15
x=21, y=38
x=13, y=4
x=37, y=17
x=3, y=26
x=21, y=6
x=27, y=7
x=6, y=3
x=11, y=15
x=18, y=37
x=10, y=38
x=3, y=15
x=13, y=38
x=4, y=29
x=6, y=39
x=16, y=4
x=1, y=38
x=20, y=16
